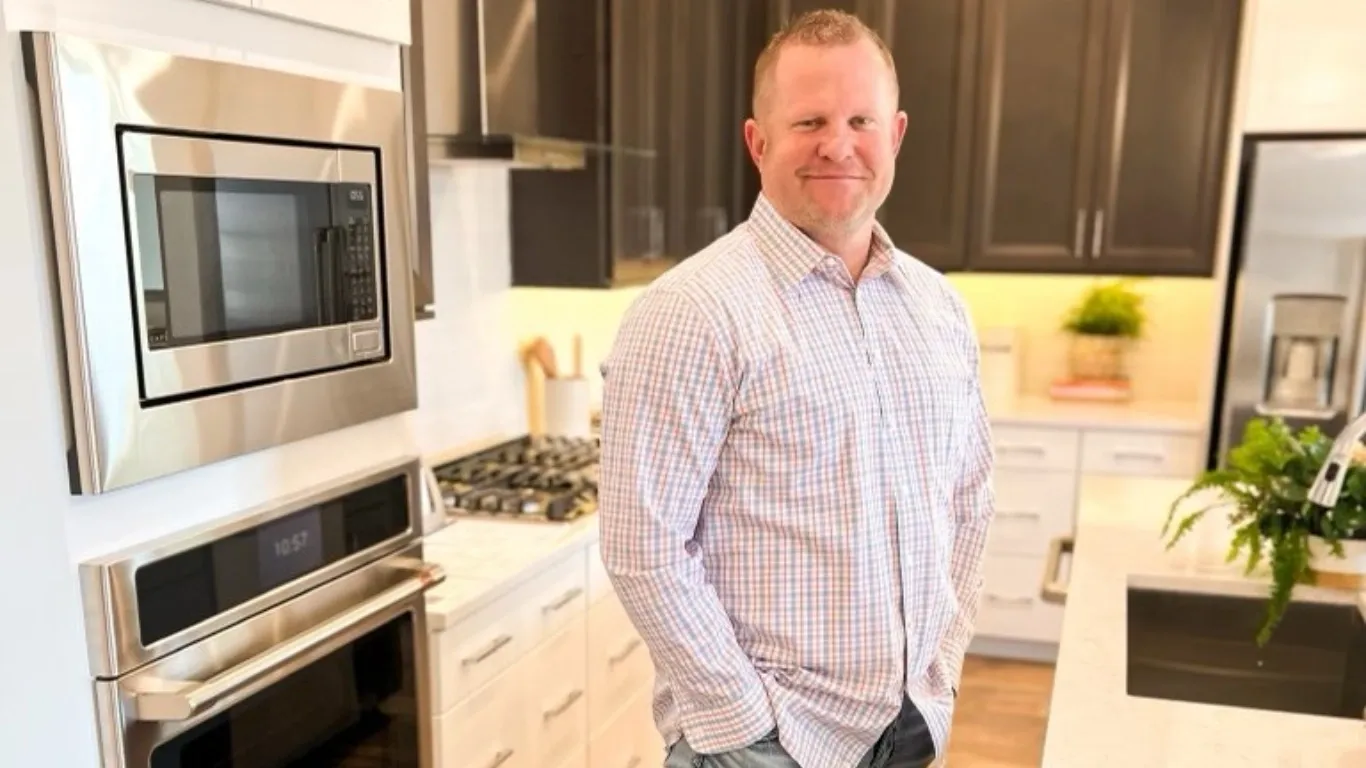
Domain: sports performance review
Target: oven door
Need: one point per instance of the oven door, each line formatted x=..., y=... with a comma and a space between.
x=253, y=260
x=348, y=690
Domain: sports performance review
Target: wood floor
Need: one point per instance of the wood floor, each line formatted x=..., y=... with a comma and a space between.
x=1001, y=715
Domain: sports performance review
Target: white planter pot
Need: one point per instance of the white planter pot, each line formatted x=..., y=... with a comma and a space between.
x=1346, y=572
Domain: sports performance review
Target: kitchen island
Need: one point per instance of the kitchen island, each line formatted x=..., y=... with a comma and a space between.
x=1093, y=722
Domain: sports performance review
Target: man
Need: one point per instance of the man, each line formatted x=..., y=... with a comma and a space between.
x=795, y=481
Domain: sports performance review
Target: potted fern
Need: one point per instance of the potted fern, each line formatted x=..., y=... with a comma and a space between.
x=1264, y=490
x=1103, y=325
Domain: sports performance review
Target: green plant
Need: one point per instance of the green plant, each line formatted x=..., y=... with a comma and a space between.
x=1266, y=483
x=1108, y=309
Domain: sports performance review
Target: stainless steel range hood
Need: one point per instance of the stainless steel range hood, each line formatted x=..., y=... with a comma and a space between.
x=497, y=79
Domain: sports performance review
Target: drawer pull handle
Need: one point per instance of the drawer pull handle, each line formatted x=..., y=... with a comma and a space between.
x=1141, y=455
x=1034, y=450
x=563, y=600
x=1026, y=600
x=1020, y=513
x=488, y=651
x=564, y=705
x=500, y=758
x=1054, y=590
x=625, y=652
x=635, y=760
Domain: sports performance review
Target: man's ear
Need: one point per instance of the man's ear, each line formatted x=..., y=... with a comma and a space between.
x=898, y=131
x=755, y=141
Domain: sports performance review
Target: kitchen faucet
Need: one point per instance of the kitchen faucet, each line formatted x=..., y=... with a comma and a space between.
x=1328, y=485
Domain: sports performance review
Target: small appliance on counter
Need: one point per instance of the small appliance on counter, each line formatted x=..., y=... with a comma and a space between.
x=232, y=254
x=539, y=478
x=295, y=634
x=1292, y=343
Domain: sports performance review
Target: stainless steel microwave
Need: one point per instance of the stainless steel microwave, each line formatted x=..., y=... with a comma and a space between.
x=232, y=248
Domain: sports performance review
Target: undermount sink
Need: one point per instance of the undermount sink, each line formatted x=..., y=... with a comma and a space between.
x=1202, y=648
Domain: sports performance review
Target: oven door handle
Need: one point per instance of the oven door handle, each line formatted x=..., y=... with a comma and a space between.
x=163, y=700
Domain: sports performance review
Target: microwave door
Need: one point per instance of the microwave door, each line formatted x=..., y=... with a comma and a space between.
x=255, y=262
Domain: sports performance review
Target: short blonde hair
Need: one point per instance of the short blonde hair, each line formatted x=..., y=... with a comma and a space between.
x=818, y=28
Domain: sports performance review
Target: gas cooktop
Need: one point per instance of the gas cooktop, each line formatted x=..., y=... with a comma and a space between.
x=544, y=479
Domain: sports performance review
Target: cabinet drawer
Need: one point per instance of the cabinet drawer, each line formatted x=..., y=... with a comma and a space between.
x=1011, y=607
x=619, y=665
x=558, y=698
x=1032, y=507
x=630, y=740
x=1142, y=453
x=490, y=727
x=1035, y=448
x=557, y=596
x=476, y=649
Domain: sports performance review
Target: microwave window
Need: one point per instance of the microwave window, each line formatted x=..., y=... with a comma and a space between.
x=226, y=259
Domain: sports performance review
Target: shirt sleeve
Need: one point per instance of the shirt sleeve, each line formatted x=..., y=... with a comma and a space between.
x=973, y=506
x=668, y=392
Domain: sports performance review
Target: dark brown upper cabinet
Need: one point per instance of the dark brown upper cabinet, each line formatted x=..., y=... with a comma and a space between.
x=1162, y=150
x=934, y=43
x=600, y=225
x=1044, y=136
x=677, y=175
x=1038, y=96
x=1070, y=136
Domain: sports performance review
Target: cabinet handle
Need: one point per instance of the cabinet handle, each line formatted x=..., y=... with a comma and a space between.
x=1036, y=450
x=500, y=758
x=488, y=651
x=1009, y=600
x=1022, y=513
x=1141, y=455
x=1079, y=238
x=563, y=600
x=564, y=705
x=625, y=652
x=1054, y=591
x=1097, y=235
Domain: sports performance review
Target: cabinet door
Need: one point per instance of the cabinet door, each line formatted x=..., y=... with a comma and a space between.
x=934, y=43
x=638, y=64
x=702, y=124
x=1035, y=134
x=383, y=19
x=1167, y=91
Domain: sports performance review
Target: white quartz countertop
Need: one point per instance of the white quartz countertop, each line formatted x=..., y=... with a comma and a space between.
x=1093, y=722
x=1140, y=415
x=485, y=558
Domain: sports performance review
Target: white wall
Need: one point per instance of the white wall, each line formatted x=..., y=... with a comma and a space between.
x=44, y=714
x=1308, y=66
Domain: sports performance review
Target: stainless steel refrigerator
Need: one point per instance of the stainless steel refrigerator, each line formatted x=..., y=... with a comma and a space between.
x=1292, y=340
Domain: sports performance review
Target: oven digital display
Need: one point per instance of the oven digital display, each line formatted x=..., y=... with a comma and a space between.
x=289, y=548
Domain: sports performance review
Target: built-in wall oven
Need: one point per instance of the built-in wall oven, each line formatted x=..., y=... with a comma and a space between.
x=232, y=248
x=294, y=635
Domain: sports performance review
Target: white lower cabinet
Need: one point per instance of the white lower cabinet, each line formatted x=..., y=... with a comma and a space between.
x=1038, y=470
x=550, y=675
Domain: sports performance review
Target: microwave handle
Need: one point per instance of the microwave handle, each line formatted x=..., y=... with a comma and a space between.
x=334, y=297
x=159, y=700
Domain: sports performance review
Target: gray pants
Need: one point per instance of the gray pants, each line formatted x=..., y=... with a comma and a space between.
x=905, y=744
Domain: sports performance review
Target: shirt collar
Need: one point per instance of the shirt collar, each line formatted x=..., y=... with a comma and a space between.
x=793, y=254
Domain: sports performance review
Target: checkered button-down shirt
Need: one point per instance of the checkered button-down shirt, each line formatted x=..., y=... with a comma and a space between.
x=795, y=491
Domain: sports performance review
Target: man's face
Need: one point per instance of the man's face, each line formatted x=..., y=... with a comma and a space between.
x=826, y=136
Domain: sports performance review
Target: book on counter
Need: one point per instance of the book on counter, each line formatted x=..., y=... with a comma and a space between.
x=1091, y=390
